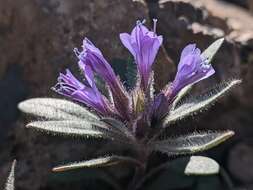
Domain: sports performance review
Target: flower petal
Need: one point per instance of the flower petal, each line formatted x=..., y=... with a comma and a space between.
x=143, y=45
x=191, y=69
x=126, y=41
x=92, y=58
x=88, y=94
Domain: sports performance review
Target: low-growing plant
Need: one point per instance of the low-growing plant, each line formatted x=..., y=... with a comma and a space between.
x=135, y=118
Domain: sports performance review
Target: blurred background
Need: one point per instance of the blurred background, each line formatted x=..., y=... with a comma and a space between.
x=37, y=38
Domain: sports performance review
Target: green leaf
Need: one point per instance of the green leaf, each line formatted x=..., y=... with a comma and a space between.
x=98, y=162
x=66, y=127
x=11, y=179
x=190, y=143
x=200, y=165
x=78, y=129
x=199, y=103
x=180, y=95
x=56, y=109
x=210, y=52
x=119, y=126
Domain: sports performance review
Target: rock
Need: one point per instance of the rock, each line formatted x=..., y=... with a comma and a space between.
x=241, y=3
x=14, y=90
x=240, y=162
x=39, y=36
x=202, y=22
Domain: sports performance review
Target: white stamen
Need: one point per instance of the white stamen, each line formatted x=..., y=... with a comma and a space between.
x=154, y=27
x=138, y=22
x=205, y=64
x=77, y=52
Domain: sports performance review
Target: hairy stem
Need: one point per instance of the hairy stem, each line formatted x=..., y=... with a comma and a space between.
x=139, y=169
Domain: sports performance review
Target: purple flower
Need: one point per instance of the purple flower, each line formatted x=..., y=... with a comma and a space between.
x=86, y=92
x=192, y=68
x=143, y=45
x=92, y=57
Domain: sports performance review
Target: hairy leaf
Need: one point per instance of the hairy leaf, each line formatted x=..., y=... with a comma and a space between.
x=56, y=109
x=198, y=103
x=210, y=52
x=119, y=126
x=190, y=143
x=11, y=179
x=79, y=129
x=180, y=95
x=98, y=162
x=200, y=165
x=66, y=127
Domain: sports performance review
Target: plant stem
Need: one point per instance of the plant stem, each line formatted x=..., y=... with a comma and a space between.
x=140, y=168
x=138, y=174
x=227, y=179
x=150, y=174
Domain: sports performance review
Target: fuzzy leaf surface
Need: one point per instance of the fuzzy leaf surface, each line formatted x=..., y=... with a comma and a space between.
x=56, y=109
x=11, y=179
x=78, y=129
x=119, y=126
x=94, y=163
x=210, y=52
x=180, y=95
x=190, y=143
x=200, y=165
x=199, y=103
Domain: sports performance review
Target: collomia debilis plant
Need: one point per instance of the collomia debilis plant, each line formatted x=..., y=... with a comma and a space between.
x=135, y=118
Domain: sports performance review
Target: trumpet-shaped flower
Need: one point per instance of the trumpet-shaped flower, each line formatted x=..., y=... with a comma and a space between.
x=143, y=44
x=86, y=92
x=192, y=68
x=91, y=56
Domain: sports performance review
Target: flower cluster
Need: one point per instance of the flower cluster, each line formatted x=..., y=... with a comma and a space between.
x=133, y=118
x=143, y=44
